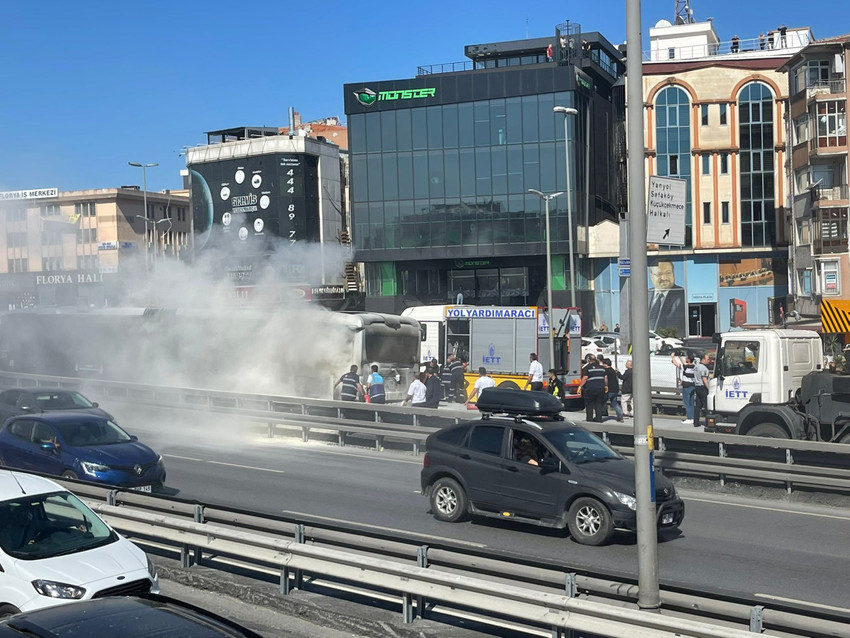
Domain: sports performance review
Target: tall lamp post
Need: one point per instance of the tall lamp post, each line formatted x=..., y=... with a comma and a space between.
x=568, y=110
x=547, y=198
x=155, y=237
x=145, y=168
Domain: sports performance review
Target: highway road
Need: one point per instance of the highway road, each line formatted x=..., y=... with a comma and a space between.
x=734, y=544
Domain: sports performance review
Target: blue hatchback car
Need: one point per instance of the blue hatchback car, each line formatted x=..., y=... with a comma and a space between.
x=85, y=446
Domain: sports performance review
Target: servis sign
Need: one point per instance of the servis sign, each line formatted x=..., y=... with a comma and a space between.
x=367, y=97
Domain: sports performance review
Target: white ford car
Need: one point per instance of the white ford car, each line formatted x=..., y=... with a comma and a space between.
x=54, y=549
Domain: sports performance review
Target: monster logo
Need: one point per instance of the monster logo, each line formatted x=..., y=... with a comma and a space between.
x=366, y=97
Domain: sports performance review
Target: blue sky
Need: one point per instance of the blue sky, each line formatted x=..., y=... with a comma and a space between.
x=87, y=86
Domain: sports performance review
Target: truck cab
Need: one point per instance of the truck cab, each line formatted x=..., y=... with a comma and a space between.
x=757, y=377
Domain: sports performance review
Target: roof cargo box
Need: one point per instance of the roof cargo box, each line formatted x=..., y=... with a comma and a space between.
x=519, y=403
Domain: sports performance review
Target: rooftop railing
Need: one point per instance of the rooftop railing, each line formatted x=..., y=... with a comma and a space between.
x=771, y=42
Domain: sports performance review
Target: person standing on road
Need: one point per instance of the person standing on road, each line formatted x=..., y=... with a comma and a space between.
x=415, y=393
x=593, y=389
x=626, y=390
x=482, y=382
x=613, y=384
x=375, y=387
x=433, y=390
x=447, y=375
x=458, y=381
x=555, y=386
x=685, y=379
x=535, y=374
x=700, y=391
x=351, y=389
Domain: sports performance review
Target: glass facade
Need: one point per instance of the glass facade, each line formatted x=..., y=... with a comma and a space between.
x=758, y=218
x=457, y=175
x=673, y=135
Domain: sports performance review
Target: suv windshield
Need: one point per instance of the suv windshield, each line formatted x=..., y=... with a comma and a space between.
x=61, y=400
x=50, y=525
x=580, y=446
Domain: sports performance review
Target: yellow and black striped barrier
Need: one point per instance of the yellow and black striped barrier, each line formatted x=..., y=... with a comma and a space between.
x=835, y=315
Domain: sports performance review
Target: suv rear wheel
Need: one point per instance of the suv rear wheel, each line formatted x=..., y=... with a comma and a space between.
x=448, y=501
x=590, y=522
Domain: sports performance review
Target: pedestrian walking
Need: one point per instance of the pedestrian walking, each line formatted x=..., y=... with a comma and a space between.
x=593, y=389
x=433, y=390
x=481, y=383
x=415, y=392
x=626, y=390
x=351, y=389
x=700, y=391
x=685, y=366
x=375, y=387
x=535, y=374
x=613, y=390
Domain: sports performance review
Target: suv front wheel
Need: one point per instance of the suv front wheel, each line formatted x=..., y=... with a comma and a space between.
x=448, y=501
x=590, y=522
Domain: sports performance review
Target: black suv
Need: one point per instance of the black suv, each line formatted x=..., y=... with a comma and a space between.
x=533, y=466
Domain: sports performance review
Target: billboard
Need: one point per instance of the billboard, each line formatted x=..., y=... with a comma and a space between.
x=256, y=204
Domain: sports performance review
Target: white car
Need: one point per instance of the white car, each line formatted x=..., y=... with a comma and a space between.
x=664, y=345
x=591, y=345
x=54, y=549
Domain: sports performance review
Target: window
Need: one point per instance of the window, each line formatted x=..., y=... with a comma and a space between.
x=724, y=212
x=831, y=124
x=16, y=240
x=16, y=214
x=706, y=212
x=49, y=264
x=830, y=278
x=86, y=235
x=724, y=163
x=671, y=53
x=830, y=231
x=85, y=209
x=674, y=164
x=19, y=264
x=487, y=439
x=723, y=120
x=673, y=146
x=87, y=262
x=50, y=210
x=706, y=164
x=805, y=279
x=755, y=134
x=817, y=73
x=740, y=357
x=704, y=114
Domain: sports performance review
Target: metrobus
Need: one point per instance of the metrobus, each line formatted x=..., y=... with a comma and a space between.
x=294, y=352
x=500, y=338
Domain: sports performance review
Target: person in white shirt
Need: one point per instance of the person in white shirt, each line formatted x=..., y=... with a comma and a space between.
x=482, y=382
x=416, y=392
x=535, y=374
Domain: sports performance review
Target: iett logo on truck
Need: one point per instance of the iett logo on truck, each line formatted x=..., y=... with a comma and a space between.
x=490, y=358
x=736, y=392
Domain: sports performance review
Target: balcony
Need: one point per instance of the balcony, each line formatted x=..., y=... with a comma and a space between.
x=831, y=196
x=825, y=87
x=830, y=231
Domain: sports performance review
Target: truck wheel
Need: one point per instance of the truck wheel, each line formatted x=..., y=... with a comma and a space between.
x=8, y=610
x=508, y=385
x=448, y=501
x=590, y=522
x=768, y=430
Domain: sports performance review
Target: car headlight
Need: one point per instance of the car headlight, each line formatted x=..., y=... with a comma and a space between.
x=52, y=589
x=626, y=499
x=93, y=468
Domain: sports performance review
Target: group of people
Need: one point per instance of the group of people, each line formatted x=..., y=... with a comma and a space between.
x=600, y=387
x=433, y=385
x=353, y=390
x=692, y=375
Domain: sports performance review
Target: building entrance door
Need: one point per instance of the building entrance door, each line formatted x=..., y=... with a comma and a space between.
x=702, y=319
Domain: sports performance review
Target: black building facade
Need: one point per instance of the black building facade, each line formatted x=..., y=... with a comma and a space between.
x=442, y=164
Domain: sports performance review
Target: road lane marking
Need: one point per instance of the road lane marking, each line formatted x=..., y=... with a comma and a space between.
x=362, y=456
x=801, y=602
x=769, y=509
x=247, y=467
x=244, y=467
x=385, y=529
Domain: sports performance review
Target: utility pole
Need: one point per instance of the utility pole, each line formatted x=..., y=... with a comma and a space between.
x=647, y=531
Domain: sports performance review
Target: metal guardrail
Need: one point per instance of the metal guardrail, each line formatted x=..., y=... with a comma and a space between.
x=428, y=577
x=786, y=462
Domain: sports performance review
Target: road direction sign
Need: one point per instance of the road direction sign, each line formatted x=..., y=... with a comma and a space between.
x=665, y=211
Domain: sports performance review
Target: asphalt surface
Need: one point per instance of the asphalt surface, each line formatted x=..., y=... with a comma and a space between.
x=747, y=545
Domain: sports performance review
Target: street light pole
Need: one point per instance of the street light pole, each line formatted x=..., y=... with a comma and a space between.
x=145, y=168
x=546, y=199
x=568, y=110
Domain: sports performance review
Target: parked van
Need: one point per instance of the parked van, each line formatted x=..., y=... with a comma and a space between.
x=54, y=549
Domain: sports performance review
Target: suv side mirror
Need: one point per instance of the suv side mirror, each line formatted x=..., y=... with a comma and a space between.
x=95, y=404
x=549, y=464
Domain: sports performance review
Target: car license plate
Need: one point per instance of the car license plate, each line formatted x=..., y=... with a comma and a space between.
x=141, y=488
x=666, y=519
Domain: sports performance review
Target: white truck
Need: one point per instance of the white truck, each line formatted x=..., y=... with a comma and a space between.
x=771, y=383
